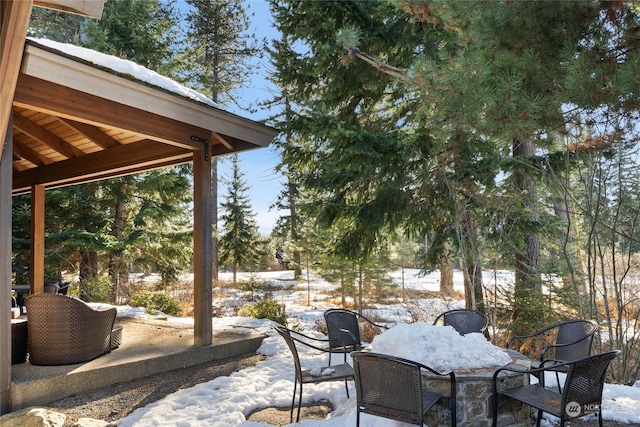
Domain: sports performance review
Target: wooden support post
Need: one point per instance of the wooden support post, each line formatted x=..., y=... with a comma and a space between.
x=14, y=22
x=5, y=273
x=202, y=248
x=36, y=269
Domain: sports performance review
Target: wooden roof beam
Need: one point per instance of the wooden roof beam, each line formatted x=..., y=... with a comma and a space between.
x=60, y=101
x=92, y=133
x=29, y=154
x=217, y=137
x=42, y=135
x=117, y=161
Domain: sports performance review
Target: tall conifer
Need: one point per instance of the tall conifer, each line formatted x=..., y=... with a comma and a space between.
x=239, y=243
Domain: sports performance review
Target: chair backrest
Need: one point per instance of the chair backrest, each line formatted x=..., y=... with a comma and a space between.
x=64, y=330
x=585, y=381
x=389, y=387
x=464, y=320
x=291, y=343
x=338, y=320
x=51, y=287
x=579, y=330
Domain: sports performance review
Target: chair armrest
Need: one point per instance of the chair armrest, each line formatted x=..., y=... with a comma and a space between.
x=523, y=337
x=372, y=322
x=306, y=338
x=346, y=331
x=550, y=346
x=541, y=368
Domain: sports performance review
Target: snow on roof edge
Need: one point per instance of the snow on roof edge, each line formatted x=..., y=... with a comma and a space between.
x=124, y=66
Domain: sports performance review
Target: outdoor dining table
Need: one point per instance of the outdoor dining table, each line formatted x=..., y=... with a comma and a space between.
x=474, y=389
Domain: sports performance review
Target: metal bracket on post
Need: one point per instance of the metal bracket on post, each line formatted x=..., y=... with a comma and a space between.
x=206, y=145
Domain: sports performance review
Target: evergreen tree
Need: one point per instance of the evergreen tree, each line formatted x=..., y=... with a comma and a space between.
x=357, y=150
x=218, y=48
x=240, y=243
x=517, y=79
x=289, y=227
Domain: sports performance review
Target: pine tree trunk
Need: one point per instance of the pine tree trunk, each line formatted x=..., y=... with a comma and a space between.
x=527, y=262
x=446, y=273
x=115, y=262
x=88, y=270
x=529, y=303
x=360, y=278
x=297, y=268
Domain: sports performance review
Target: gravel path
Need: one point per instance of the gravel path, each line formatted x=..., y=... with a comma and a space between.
x=114, y=402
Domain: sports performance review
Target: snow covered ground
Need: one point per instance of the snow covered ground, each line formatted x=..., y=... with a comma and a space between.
x=227, y=401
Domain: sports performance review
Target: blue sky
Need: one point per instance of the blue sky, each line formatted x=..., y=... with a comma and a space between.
x=258, y=165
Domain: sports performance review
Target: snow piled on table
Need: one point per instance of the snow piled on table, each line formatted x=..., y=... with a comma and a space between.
x=440, y=347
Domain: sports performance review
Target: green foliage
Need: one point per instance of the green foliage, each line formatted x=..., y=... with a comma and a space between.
x=533, y=312
x=96, y=289
x=265, y=309
x=218, y=48
x=153, y=301
x=252, y=286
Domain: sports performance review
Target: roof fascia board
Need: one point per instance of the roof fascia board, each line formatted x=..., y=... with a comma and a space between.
x=56, y=67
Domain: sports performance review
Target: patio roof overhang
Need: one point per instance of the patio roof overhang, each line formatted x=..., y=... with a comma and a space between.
x=74, y=121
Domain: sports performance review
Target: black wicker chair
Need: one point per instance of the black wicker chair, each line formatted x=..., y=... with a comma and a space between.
x=581, y=395
x=343, y=327
x=572, y=341
x=343, y=371
x=464, y=320
x=391, y=387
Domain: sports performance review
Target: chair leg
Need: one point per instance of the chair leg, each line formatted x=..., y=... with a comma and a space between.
x=299, y=404
x=293, y=401
x=600, y=416
x=357, y=417
x=494, y=402
x=558, y=381
x=346, y=386
x=540, y=418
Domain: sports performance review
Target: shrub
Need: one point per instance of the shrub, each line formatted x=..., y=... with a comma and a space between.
x=155, y=301
x=96, y=289
x=265, y=309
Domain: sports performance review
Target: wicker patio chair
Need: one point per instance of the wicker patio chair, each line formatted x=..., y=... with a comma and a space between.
x=464, y=320
x=64, y=330
x=391, y=387
x=581, y=395
x=343, y=327
x=572, y=341
x=343, y=371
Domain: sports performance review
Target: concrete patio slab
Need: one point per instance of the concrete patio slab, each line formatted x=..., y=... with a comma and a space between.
x=148, y=347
